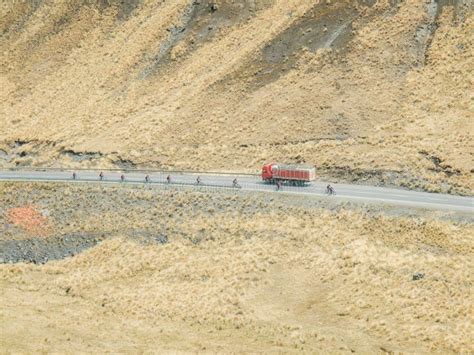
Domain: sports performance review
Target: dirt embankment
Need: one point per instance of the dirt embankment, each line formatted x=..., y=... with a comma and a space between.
x=373, y=91
x=193, y=271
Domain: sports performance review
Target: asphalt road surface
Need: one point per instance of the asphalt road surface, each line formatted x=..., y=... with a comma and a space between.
x=362, y=193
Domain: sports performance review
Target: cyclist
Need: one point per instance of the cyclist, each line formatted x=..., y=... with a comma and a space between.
x=198, y=180
x=101, y=176
x=330, y=190
x=122, y=178
x=147, y=178
x=168, y=179
x=74, y=175
x=235, y=183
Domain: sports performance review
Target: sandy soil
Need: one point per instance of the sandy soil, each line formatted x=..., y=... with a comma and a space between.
x=250, y=273
x=375, y=93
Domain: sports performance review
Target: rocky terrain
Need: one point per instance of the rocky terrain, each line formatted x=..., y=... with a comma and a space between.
x=135, y=269
x=374, y=92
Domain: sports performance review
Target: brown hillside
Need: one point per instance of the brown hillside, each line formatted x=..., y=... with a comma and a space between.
x=232, y=273
x=377, y=91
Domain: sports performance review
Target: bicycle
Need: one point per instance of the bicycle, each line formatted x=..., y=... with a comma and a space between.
x=235, y=184
x=330, y=190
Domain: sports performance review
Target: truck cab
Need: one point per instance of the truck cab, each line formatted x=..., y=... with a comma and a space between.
x=267, y=173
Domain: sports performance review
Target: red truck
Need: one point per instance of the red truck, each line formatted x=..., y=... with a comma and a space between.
x=293, y=174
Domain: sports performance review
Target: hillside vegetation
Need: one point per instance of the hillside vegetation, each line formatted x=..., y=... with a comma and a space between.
x=377, y=91
x=250, y=273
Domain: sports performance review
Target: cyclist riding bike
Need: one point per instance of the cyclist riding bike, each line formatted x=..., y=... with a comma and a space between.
x=330, y=190
x=101, y=176
x=74, y=175
x=168, y=179
x=198, y=180
x=235, y=183
x=147, y=178
x=122, y=178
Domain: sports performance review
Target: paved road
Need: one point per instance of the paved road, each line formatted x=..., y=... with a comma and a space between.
x=252, y=183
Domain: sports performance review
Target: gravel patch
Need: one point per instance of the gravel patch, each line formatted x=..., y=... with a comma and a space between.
x=40, y=251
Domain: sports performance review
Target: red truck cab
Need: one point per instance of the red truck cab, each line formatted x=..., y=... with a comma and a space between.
x=267, y=172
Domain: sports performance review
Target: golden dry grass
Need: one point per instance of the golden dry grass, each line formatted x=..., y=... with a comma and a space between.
x=240, y=273
x=75, y=77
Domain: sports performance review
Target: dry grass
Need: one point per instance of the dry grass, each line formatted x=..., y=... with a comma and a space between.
x=240, y=273
x=75, y=77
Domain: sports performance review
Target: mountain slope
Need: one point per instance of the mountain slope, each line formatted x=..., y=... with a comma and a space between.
x=366, y=91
